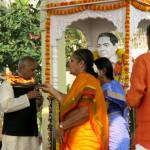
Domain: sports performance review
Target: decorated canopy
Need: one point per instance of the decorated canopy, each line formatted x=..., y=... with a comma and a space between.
x=121, y=12
x=125, y=16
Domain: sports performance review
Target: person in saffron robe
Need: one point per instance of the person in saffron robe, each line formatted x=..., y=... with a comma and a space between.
x=138, y=97
x=117, y=108
x=83, y=112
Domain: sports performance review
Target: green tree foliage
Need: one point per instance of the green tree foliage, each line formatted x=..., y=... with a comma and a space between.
x=22, y=2
x=74, y=39
x=19, y=36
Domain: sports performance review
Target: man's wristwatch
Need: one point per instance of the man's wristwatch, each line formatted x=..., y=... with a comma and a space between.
x=60, y=126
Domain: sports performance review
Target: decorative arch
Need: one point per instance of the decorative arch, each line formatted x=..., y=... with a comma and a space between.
x=134, y=22
x=60, y=22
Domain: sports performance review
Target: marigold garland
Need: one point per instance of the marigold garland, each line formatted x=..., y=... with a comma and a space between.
x=127, y=45
x=57, y=4
x=47, y=51
x=47, y=72
x=93, y=7
x=144, y=5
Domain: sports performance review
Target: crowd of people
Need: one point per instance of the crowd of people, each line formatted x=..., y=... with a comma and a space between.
x=94, y=114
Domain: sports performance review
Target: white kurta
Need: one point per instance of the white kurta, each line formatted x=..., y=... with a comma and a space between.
x=10, y=104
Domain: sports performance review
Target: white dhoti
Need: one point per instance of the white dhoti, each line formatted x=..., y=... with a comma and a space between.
x=19, y=143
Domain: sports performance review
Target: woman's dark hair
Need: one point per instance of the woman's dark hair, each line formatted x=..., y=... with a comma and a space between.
x=87, y=56
x=104, y=63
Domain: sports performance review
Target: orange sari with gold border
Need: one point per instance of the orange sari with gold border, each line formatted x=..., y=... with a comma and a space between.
x=92, y=134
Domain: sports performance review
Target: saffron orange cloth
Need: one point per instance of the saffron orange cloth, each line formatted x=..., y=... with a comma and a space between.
x=138, y=96
x=92, y=134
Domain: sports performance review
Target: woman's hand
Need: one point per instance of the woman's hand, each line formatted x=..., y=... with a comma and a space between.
x=47, y=88
x=33, y=94
x=50, y=89
x=59, y=133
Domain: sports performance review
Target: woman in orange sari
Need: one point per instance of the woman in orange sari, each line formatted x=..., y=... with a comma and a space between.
x=83, y=114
